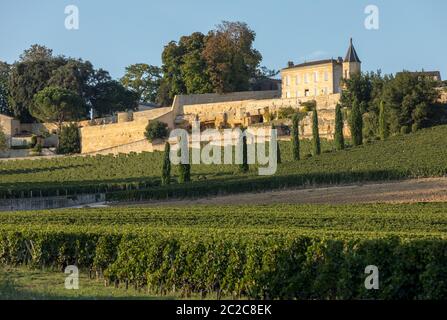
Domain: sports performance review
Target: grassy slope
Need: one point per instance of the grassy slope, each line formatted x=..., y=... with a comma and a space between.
x=23, y=283
x=416, y=155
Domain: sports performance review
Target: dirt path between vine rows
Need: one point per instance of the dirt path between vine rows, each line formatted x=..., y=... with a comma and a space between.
x=408, y=191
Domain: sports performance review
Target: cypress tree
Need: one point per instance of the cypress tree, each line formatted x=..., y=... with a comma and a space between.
x=278, y=154
x=356, y=124
x=166, y=171
x=383, y=128
x=338, y=137
x=315, y=134
x=184, y=173
x=295, y=137
x=278, y=151
x=243, y=167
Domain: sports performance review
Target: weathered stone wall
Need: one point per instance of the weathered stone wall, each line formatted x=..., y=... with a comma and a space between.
x=10, y=127
x=194, y=99
x=106, y=137
x=95, y=138
x=160, y=114
x=326, y=125
x=236, y=110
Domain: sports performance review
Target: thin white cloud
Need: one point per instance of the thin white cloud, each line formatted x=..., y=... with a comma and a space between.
x=314, y=55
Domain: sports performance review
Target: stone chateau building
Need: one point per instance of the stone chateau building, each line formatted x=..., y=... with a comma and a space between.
x=318, y=81
x=319, y=77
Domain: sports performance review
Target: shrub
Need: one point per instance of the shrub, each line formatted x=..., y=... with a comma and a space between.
x=156, y=130
x=69, y=140
x=38, y=148
x=404, y=129
x=286, y=113
x=415, y=127
x=267, y=117
x=309, y=106
x=33, y=141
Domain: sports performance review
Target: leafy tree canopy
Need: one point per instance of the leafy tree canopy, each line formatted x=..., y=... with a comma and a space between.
x=56, y=104
x=36, y=53
x=110, y=97
x=38, y=69
x=144, y=80
x=231, y=59
x=222, y=61
x=407, y=99
x=4, y=91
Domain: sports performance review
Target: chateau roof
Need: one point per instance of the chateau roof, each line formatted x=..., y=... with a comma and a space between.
x=351, y=55
x=312, y=63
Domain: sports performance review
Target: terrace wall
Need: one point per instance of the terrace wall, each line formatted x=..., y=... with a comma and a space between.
x=116, y=137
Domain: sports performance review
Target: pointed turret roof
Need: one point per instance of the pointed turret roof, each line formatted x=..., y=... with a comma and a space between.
x=352, y=56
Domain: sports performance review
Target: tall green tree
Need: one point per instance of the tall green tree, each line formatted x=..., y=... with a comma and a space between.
x=357, y=87
x=4, y=91
x=278, y=149
x=295, y=137
x=144, y=80
x=409, y=100
x=69, y=139
x=25, y=80
x=57, y=105
x=356, y=124
x=36, y=53
x=166, y=170
x=315, y=133
x=111, y=97
x=184, y=173
x=231, y=59
x=75, y=75
x=194, y=65
x=244, y=167
x=39, y=69
x=339, y=124
x=173, y=82
x=383, y=126
x=222, y=61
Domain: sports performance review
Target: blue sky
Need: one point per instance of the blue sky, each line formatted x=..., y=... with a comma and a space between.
x=114, y=34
